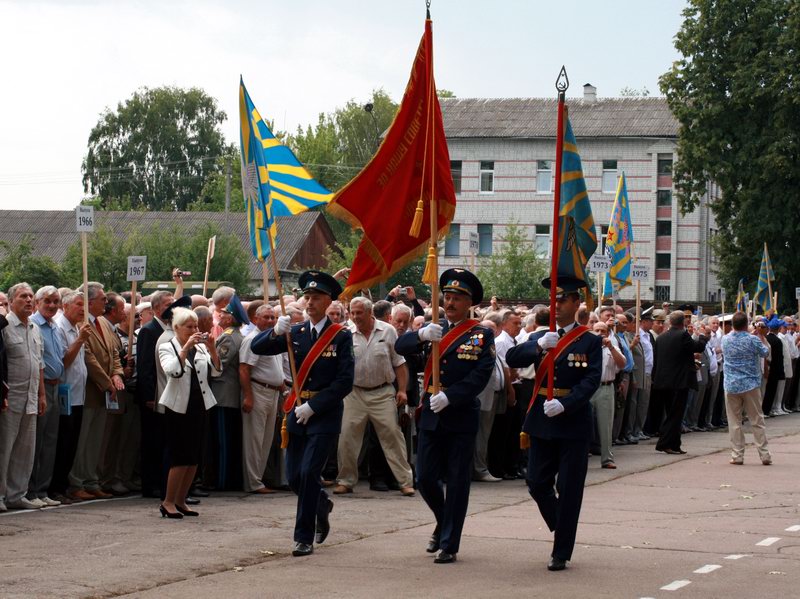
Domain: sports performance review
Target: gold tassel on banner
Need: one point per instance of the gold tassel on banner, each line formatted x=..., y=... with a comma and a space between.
x=430, y=276
x=416, y=224
x=284, y=432
x=524, y=441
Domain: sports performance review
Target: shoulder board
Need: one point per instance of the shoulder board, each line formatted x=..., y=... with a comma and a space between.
x=228, y=331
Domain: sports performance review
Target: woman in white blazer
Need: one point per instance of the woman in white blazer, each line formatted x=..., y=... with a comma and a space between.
x=187, y=359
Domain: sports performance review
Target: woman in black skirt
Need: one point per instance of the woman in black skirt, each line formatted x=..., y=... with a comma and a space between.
x=187, y=359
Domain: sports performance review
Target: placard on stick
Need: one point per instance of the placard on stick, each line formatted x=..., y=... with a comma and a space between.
x=84, y=223
x=137, y=267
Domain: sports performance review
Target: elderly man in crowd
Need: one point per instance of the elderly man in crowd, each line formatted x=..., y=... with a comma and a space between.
x=775, y=373
x=603, y=399
x=743, y=353
x=48, y=302
x=74, y=335
x=513, y=459
x=220, y=298
x=402, y=317
x=625, y=419
x=261, y=379
x=373, y=399
x=494, y=400
x=104, y=381
x=26, y=399
x=673, y=375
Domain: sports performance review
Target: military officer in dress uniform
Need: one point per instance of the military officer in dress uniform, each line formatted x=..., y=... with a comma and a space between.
x=317, y=416
x=560, y=429
x=226, y=426
x=450, y=417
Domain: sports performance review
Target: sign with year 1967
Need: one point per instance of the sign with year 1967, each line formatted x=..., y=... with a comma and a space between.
x=137, y=266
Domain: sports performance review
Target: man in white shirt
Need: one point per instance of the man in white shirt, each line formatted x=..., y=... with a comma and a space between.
x=493, y=400
x=780, y=394
x=603, y=399
x=790, y=400
x=643, y=400
x=261, y=379
x=374, y=399
x=513, y=458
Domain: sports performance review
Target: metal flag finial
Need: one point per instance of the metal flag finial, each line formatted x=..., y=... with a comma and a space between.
x=562, y=83
x=428, y=9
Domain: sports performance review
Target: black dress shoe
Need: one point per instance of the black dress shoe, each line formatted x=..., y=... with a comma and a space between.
x=323, y=524
x=301, y=549
x=379, y=485
x=445, y=558
x=198, y=493
x=192, y=501
x=433, y=544
x=555, y=564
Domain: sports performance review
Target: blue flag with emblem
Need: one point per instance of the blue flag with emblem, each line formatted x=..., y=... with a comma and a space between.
x=274, y=182
x=619, y=242
x=763, y=296
x=577, y=240
x=741, y=299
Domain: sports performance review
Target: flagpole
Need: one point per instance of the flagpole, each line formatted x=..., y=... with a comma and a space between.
x=209, y=254
x=768, y=268
x=289, y=349
x=562, y=84
x=599, y=289
x=85, y=260
x=265, y=281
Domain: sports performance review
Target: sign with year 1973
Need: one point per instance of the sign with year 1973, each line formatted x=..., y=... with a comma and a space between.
x=137, y=266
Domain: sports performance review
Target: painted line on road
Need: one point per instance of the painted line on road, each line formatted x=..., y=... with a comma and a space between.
x=707, y=568
x=768, y=541
x=675, y=585
x=735, y=556
x=794, y=528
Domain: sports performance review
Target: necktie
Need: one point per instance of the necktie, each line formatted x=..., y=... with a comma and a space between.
x=561, y=332
x=313, y=334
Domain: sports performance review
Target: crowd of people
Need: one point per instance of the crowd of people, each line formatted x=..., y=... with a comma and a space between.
x=180, y=406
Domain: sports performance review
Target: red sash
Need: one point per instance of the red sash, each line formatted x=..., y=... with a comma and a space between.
x=551, y=357
x=447, y=341
x=316, y=351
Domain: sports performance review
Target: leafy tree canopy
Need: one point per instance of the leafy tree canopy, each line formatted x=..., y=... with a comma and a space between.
x=515, y=271
x=734, y=93
x=157, y=149
x=19, y=263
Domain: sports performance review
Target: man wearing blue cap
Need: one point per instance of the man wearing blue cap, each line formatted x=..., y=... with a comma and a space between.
x=560, y=429
x=323, y=353
x=450, y=415
x=776, y=371
x=225, y=445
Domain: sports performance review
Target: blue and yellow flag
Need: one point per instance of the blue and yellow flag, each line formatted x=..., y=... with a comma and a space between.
x=274, y=183
x=741, y=299
x=619, y=242
x=763, y=297
x=577, y=240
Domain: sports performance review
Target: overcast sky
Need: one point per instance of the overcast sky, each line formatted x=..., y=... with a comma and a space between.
x=65, y=61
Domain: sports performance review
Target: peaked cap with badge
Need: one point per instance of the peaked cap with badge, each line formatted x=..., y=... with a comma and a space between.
x=460, y=280
x=565, y=286
x=236, y=309
x=315, y=281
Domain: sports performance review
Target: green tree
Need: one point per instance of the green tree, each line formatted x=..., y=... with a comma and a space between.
x=212, y=196
x=632, y=92
x=515, y=271
x=734, y=94
x=165, y=248
x=445, y=93
x=19, y=263
x=157, y=149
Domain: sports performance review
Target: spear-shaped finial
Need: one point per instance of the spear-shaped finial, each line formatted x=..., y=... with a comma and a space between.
x=428, y=9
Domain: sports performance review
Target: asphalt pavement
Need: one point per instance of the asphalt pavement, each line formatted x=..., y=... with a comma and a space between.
x=658, y=526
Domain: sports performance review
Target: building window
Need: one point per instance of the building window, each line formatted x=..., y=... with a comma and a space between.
x=455, y=171
x=487, y=176
x=484, y=240
x=663, y=261
x=544, y=176
x=664, y=197
x=661, y=293
x=664, y=228
x=453, y=241
x=664, y=164
x=609, y=176
x=542, y=241
x=603, y=235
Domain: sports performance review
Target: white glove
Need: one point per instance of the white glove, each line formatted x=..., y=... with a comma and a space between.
x=548, y=341
x=304, y=412
x=553, y=408
x=432, y=332
x=439, y=401
x=283, y=326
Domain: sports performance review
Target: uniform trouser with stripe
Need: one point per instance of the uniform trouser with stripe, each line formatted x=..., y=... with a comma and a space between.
x=446, y=456
x=258, y=430
x=46, y=443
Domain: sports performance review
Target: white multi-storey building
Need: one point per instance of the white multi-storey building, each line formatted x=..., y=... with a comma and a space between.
x=502, y=153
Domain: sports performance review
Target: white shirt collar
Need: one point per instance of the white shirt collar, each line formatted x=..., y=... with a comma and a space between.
x=320, y=325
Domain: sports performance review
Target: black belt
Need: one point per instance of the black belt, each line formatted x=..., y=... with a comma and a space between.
x=371, y=388
x=267, y=385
